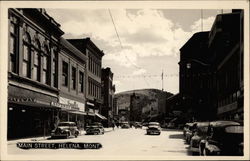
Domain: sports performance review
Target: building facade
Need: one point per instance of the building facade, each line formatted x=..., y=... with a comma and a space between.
x=93, y=76
x=34, y=39
x=72, y=83
x=226, y=47
x=108, y=91
x=196, y=78
x=211, y=70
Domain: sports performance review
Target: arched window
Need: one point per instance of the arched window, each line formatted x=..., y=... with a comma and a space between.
x=37, y=60
x=26, y=66
x=45, y=68
x=13, y=44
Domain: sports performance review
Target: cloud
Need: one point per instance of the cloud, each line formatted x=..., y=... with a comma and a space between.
x=206, y=23
x=139, y=72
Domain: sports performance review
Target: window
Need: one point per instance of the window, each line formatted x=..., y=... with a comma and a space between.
x=65, y=74
x=26, y=56
x=37, y=61
x=36, y=69
x=45, y=70
x=54, y=62
x=81, y=81
x=73, y=78
x=13, y=47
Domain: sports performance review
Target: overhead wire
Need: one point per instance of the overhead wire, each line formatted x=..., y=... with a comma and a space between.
x=136, y=66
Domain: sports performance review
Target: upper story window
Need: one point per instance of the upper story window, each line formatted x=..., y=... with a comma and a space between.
x=81, y=81
x=65, y=74
x=73, y=78
x=37, y=61
x=13, y=47
x=45, y=70
x=26, y=66
x=54, y=68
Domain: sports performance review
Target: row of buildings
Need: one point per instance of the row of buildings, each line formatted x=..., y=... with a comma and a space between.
x=51, y=79
x=211, y=72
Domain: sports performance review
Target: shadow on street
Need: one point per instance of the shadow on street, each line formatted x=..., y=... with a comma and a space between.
x=176, y=136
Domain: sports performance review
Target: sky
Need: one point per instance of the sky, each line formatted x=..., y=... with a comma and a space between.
x=146, y=43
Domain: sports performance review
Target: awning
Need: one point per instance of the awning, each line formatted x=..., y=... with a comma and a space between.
x=33, y=102
x=101, y=116
x=78, y=112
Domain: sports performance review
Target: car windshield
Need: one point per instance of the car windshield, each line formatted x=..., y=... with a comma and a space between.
x=64, y=124
x=153, y=124
x=234, y=129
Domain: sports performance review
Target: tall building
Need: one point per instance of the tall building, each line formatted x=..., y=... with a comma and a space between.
x=108, y=92
x=72, y=83
x=211, y=70
x=93, y=74
x=34, y=39
x=226, y=47
x=196, y=83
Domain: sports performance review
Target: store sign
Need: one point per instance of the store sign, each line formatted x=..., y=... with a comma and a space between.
x=227, y=108
x=11, y=99
x=69, y=104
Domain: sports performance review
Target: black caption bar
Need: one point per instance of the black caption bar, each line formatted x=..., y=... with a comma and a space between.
x=67, y=145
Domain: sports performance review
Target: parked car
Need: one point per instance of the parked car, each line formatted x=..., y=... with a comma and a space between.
x=190, y=132
x=153, y=128
x=137, y=125
x=65, y=129
x=224, y=138
x=125, y=125
x=171, y=125
x=95, y=128
x=145, y=124
x=186, y=127
x=200, y=133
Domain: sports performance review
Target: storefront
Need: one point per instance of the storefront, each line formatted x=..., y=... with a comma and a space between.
x=30, y=113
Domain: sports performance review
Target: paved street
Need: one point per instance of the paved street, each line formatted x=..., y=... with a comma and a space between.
x=120, y=142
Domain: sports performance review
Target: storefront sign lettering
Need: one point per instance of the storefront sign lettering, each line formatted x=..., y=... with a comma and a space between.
x=21, y=99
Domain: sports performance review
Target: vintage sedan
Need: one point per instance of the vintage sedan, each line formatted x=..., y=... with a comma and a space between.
x=200, y=133
x=153, y=128
x=65, y=129
x=125, y=125
x=224, y=138
x=95, y=128
x=190, y=132
x=185, y=128
x=137, y=125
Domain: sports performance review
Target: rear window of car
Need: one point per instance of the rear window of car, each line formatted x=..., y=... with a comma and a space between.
x=153, y=124
x=234, y=129
x=65, y=124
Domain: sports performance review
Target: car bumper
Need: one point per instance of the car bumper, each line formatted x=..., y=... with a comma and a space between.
x=58, y=134
x=153, y=132
x=194, y=149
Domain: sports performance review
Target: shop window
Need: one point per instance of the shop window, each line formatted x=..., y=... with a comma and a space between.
x=26, y=56
x=81, y=81
x=13, y=47
x=73, y=78
x=65, y=74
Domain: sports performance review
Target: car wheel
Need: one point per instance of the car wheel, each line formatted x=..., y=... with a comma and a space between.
x=76, y=134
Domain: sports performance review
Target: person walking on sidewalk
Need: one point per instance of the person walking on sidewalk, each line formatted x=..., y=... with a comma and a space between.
x=113, y=125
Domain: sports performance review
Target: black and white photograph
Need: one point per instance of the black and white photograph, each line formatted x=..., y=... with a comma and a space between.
x=115, y=80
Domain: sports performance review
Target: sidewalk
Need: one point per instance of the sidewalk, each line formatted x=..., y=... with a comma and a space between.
x=41, y=138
